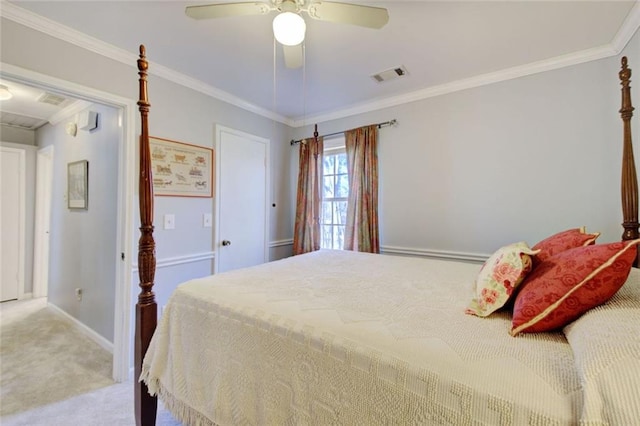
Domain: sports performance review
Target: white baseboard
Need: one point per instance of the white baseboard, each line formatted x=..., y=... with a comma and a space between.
x=435, y=254
x=91, y=334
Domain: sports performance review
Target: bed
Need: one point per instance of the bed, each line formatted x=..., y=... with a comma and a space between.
x=337, y=337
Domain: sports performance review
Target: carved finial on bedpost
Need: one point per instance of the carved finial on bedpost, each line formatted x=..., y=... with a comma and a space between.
x=629, y=186
x=146, y=308
x=143, y=66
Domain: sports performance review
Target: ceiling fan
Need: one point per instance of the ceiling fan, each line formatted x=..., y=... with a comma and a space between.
x=289, y=26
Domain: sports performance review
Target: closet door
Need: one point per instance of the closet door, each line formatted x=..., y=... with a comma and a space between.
x=12, y=222
x=242, y=182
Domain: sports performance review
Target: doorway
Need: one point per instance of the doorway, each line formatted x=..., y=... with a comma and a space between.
x=125, y=200
x=44, y=178
x=242, y=184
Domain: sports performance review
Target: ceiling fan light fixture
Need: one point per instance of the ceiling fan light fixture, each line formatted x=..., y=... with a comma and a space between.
x=5, y=94
x=289, y=28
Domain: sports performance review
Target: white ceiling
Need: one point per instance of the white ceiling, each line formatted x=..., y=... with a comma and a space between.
x=31, y=107
x=441, y=44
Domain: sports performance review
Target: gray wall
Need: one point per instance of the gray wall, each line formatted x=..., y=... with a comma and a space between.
x=516, y=160
x=177, y=113
x=464, y=172
x=83, y=249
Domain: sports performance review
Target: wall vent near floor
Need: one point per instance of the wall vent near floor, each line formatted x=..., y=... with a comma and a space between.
x=390, y=74
x=51, y=98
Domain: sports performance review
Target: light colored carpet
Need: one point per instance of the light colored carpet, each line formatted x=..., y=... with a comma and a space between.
x=44, y=358
x=109, y=406
x=51, y=374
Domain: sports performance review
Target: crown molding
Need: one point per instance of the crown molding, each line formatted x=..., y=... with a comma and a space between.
x=92, y=44
x=628, y=28
x=72, y=109
x=54, y=29
x=620, y=40
x=62, y=32
x=464, y=84
x=209, y=90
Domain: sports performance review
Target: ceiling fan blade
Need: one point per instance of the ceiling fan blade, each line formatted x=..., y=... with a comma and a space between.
x=224, y=10
x=293, y=56
x=345, y=13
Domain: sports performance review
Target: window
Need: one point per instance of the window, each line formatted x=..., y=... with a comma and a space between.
x=335, y=190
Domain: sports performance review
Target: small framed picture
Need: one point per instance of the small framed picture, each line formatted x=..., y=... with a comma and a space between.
x=78, y=185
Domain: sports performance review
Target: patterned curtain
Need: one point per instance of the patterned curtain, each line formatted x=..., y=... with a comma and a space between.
x=361, y=230
x=306, y=233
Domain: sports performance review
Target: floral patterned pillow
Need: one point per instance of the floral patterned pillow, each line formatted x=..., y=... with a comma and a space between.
x=499, y=277
x=566, y=285
x=565, y=240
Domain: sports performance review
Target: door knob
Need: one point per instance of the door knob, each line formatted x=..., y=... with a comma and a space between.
x=226, y=242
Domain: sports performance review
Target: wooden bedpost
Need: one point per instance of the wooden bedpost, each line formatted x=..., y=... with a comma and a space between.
x=629, y=186
x=146, y=308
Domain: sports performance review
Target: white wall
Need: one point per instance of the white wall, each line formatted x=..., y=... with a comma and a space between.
x=516, y=160
x=83, y=249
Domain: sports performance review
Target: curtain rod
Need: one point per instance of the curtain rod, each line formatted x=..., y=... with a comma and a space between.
x=385, y=124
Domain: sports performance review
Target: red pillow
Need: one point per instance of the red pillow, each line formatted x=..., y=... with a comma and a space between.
x=566, y=285
x=562, y=241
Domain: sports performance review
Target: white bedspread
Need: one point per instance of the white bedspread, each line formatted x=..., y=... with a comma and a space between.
x=606, y=344
x=335, y=337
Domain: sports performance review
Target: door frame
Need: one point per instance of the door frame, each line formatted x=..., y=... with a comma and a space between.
x=126, y=185
x=44, y=173
x=22, y=160
x=267, y=185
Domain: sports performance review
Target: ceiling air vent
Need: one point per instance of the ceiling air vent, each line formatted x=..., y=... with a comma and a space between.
x=21, y=121
x=391, y=74
x=51, y=98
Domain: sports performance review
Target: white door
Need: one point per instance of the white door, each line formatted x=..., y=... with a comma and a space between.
x=242, y=183
x=44, y=178
x=12, y=188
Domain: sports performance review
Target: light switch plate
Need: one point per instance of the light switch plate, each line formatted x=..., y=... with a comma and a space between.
x=206, y=220
x=169, y=221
